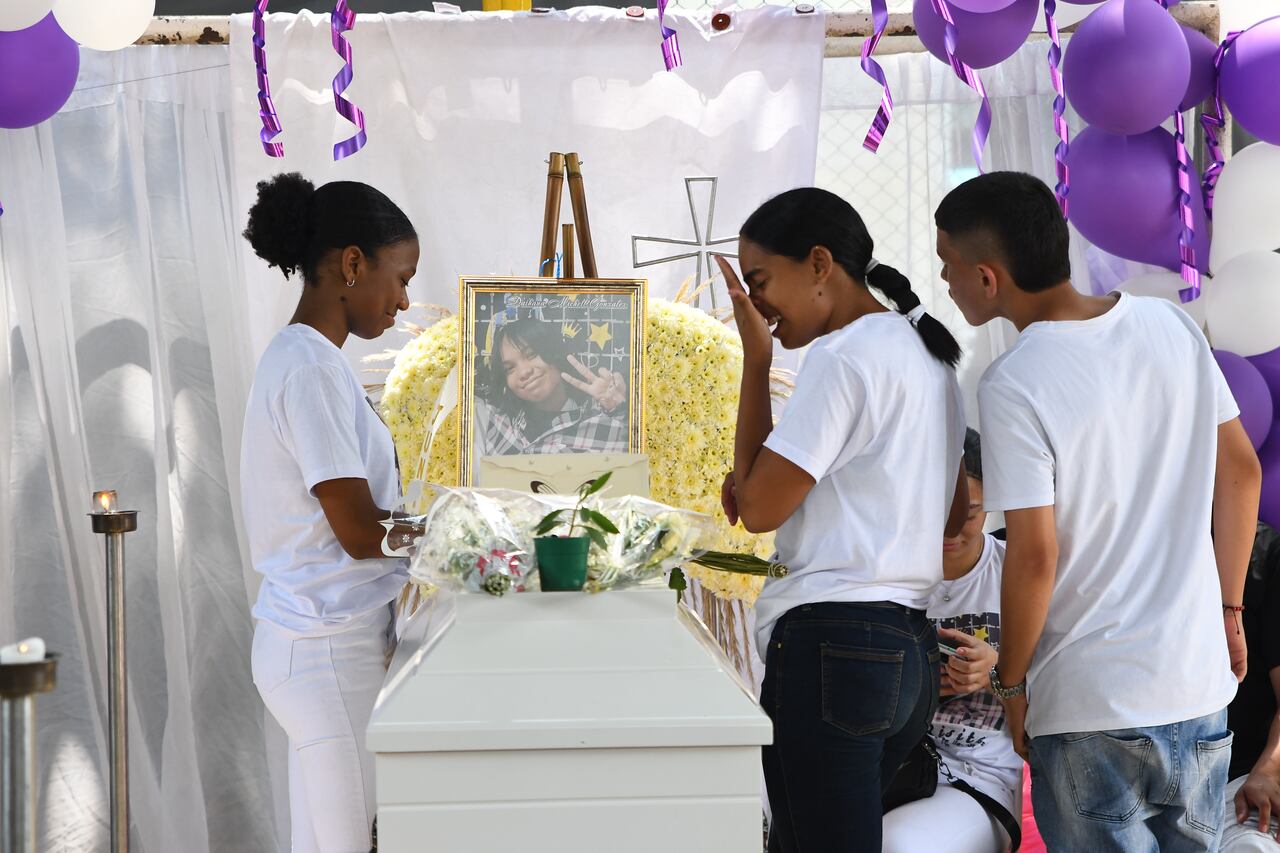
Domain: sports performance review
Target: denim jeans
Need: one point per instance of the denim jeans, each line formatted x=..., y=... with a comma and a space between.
x=850, y=688
x=1157, y=789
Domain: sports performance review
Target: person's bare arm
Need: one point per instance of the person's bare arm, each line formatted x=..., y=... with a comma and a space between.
x=356, y=519
x=1237, y=486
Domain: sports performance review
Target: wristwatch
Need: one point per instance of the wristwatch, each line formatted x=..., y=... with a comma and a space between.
x=1006, y=692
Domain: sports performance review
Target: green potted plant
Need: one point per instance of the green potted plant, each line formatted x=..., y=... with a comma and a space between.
x=562, y=560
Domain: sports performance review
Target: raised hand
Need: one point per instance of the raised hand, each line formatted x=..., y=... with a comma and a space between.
x=757, y=341
x=609, y=390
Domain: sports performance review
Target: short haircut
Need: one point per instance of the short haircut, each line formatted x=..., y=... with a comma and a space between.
x=973, y=454
x=1017, y=216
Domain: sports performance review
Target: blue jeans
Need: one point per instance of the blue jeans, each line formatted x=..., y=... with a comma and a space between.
x=1157, y=789
x=850, y=688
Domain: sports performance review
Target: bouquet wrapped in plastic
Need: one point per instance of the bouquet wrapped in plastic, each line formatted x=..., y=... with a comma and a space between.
x=482, y=540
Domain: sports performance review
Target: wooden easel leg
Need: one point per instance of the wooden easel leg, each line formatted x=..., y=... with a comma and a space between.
x=566, y=240
x=578, y=197
x=551, y=215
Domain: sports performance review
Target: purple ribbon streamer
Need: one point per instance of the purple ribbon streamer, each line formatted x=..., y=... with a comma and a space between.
x=884, y=115
x=342, y=20
x=1212, y=122
x=670, y=40
x=266, y=109
x=982, y=127
x=1186, y=249
x=1063, y=189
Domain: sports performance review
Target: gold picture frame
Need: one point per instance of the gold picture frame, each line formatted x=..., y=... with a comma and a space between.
x=526, y=403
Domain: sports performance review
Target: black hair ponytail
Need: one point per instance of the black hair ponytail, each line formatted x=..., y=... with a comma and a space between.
x=793, y=223
x=895, y=286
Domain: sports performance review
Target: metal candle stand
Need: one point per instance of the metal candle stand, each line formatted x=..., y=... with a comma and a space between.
x=20, y=683
x=113, y=524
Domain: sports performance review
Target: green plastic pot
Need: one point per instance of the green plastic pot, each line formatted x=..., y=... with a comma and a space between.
x=562, y=562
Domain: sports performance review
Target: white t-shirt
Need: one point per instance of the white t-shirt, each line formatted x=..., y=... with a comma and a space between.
x=878, y=423
x=308, y=421
x=970, y=730
x=1114, y=422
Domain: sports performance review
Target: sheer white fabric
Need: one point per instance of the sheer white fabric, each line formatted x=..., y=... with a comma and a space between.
x=124, y=367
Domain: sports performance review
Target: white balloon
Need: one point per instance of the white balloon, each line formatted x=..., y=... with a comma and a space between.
x=20, y=14
x=1246, y=205
x=104, y=25
x=1166, y=286
x=1242, y=304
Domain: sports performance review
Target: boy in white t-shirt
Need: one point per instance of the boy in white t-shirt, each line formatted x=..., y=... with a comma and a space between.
x=1113, y=446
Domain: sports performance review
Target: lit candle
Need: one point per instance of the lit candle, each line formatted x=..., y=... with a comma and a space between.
x=30, y=650
x=104, y=501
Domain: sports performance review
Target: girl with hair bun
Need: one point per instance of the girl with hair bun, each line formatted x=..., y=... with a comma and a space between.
x=860, y=476
x=318, y=476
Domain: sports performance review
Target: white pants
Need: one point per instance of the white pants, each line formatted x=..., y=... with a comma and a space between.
x=1244, y=837
x=321, y=690
x=950, y=820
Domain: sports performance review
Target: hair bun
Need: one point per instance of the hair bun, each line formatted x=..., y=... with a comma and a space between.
x=280, y=221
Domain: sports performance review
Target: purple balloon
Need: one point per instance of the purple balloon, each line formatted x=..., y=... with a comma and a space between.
x=1269, y=506
x=1251, y=80
x=38, y=70
x=1127, y=67
x=983, y=39
x=1251, y=393
x=1203, y=76
x=979, y=6
x=1124, y=197
x=1268, y=365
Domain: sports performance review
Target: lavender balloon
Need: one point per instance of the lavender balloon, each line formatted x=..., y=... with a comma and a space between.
x=1252, y=395
x=983, y=39
x=1124, y=197
x=1127, y=67
x=1268, y=365
x=1269, y=506
x=1203, y=75
x=1251, y=80
x=38, y=70
x=979, y=6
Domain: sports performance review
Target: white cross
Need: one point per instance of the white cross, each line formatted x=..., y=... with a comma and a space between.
x=702, y=241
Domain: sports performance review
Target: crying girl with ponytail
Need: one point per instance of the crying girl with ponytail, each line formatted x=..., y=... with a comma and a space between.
x=861, y=477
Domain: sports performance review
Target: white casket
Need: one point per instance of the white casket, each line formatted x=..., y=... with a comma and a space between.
x=565, y=722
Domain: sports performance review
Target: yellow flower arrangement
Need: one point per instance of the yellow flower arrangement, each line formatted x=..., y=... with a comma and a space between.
x=694, y=365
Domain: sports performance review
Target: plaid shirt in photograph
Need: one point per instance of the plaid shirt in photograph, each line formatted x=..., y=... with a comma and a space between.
x=578, y=428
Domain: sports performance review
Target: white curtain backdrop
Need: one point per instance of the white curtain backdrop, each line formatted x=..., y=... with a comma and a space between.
x=124, y=368
x=462, y=111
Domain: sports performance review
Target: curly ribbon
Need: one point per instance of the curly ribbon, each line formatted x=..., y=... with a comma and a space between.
x=342, y=20
x=266, y=109
x=1186, y=249
x=884, y=115
x=670, y=40
x=982, y=127
x=1059, y=107
x=1213, y=122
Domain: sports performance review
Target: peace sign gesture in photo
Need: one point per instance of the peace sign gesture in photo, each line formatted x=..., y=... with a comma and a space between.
x=608, y=389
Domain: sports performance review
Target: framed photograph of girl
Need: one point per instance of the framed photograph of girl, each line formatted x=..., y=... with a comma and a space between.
x=550, y=366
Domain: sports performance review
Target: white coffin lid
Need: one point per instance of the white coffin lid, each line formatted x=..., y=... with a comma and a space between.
x=561, y=671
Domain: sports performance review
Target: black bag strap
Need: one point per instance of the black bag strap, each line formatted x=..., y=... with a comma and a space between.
x=989, y=805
